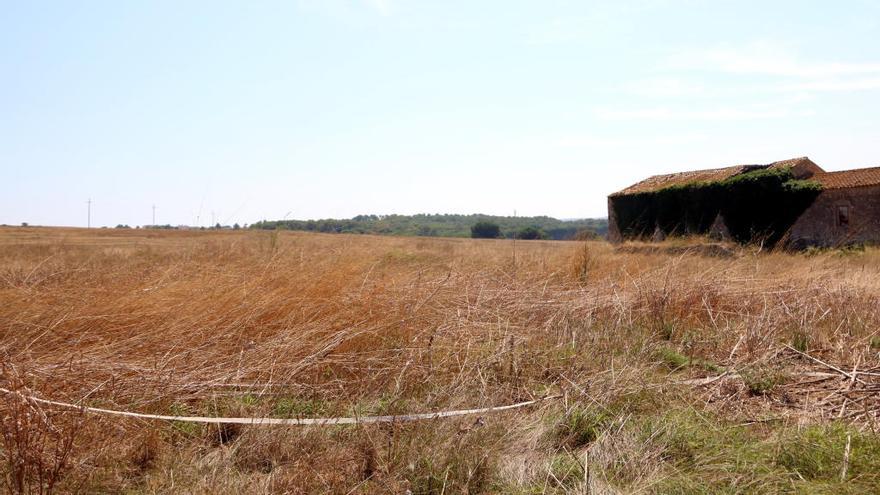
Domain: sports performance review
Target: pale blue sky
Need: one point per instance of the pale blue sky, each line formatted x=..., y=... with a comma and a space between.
x=334, y=108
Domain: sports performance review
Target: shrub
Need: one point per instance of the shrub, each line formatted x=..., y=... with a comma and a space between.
x=531, y=233
x=485, y=230
x=583, y=263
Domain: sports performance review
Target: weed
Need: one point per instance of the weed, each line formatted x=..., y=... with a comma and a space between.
x=581, y=426
x=37, y=444
x=248, y=400
x=185, y=427
x=583, y=263
x=673, y=359
x=800, y=341
x=566, y=470
x=761, y=380
x=676, y=361
x=851, y=249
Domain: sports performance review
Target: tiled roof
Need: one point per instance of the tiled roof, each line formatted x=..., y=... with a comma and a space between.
x=658, y=182
x=849, y=178
x=801, y=168
x=789, y=163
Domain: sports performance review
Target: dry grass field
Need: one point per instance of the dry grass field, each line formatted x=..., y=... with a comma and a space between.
x=677, y=369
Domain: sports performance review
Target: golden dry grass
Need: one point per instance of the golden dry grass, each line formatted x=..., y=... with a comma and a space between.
x=301, y=325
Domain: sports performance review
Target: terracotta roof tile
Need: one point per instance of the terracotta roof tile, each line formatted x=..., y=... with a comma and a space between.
x=849, y=178
x=789, y=163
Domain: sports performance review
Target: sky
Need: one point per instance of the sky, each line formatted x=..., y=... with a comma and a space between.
x=231, y=111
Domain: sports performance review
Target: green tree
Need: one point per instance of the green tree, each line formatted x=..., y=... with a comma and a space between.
x=485, y=230
x=426, y=231
x=531, y=233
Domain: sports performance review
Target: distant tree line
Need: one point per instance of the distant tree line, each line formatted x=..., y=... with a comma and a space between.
x=447, y=225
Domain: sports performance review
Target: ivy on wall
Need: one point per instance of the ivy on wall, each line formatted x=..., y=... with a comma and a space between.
x=759, y=205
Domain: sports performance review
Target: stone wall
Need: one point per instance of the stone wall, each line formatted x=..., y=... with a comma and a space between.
x=819, y=225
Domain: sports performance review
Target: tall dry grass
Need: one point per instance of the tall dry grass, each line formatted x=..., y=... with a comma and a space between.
x=295, y=325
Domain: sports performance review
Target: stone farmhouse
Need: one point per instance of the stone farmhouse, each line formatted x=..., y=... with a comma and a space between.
x=791, y=203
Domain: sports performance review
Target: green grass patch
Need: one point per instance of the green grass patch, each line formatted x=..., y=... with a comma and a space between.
x=584, y=423
x=816, y=454
x=566, y=470
x=703, y=454
x=800, y=341
x=184, y=427
x=762, y=380
x=676, y=361
x=293, y=407
x=581, y=426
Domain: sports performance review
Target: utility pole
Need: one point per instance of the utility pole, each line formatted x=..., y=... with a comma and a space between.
x=89, y=214
x=154, y=215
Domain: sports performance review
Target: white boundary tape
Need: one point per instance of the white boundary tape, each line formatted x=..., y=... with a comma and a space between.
x=286, y=421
